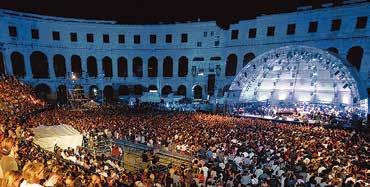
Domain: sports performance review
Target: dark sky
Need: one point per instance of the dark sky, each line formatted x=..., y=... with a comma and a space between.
x=154, y=11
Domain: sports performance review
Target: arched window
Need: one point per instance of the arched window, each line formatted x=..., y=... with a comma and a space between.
x=108, y=93
x=92, y=69
x=333, y=50
x=152, y=87
x=94, y=92
x=42, y=91
x=183, y=66
x=167, y=67
x=2, y=65
x=152, y=67
x=62, y=94
x=76, y=66
x=354, y=56
x=138, y=89
x=59, y=66
x=247, y=58
x=107, y=67
x=19, y=69
x=137, y=67
x=181, y=90
x=123, y=90
x=39, y=65
x=122, y=67
x=166, y=90
x=231, y=65
x=197, y=92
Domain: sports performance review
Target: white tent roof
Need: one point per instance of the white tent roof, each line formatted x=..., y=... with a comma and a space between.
x=63, y=136
x=56, y=130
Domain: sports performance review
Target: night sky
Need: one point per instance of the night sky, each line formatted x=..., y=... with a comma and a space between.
x=154, y=11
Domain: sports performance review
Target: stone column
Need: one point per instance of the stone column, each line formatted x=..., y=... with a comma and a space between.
x=129, y=67
x=84, y=67
x=114, y=67
x=145, y=67
x=7, y=62
x=27, y=64
x=68, y=67
x=160, y=68
x=175, y=67
x=99, y=62
x=51, y=66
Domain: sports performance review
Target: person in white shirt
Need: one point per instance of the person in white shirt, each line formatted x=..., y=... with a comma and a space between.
x=204, y=168
x=33, y=173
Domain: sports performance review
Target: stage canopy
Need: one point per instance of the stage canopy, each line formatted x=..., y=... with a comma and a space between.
x=151, y=97
x=299, y=74
x=63, y=135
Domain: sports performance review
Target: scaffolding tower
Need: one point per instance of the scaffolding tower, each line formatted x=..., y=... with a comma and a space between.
x=77, y=98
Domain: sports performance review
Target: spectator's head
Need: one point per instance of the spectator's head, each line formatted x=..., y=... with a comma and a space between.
x=8, y=146
x=33, y=172
x=11, y=178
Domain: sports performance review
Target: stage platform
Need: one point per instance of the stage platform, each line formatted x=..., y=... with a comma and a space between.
x=360, y=127
x=281, y=119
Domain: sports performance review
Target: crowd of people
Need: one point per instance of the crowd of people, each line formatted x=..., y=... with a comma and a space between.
x=301, y=112
x=16, y=99
x=226, y=150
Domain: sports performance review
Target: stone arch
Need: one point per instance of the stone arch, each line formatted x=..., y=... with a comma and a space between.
x=76, y=66
x=18, y=66
x=122, y=67
x=183, y=66
x=197, y=92
x=39, y=65
x=231, y=65
x=42, y=91
x=107, y=67
x=92, y=69
x=59, y=65
x=108, y=93
x=354, y=56
x=166, y=90
x=138, y=89
x=137, y=67
x=247, y=58
x=94, y=92
x=152, y=67
x=167, y=67
x=123, y=90
x=181, y=90
x=62, y=94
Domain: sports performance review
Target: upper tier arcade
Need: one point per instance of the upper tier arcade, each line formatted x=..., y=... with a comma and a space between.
x=192, y=59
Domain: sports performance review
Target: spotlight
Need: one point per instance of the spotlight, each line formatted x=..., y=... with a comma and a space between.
x=73, y=76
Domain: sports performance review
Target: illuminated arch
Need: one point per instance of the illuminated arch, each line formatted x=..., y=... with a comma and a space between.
x=298, y=74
